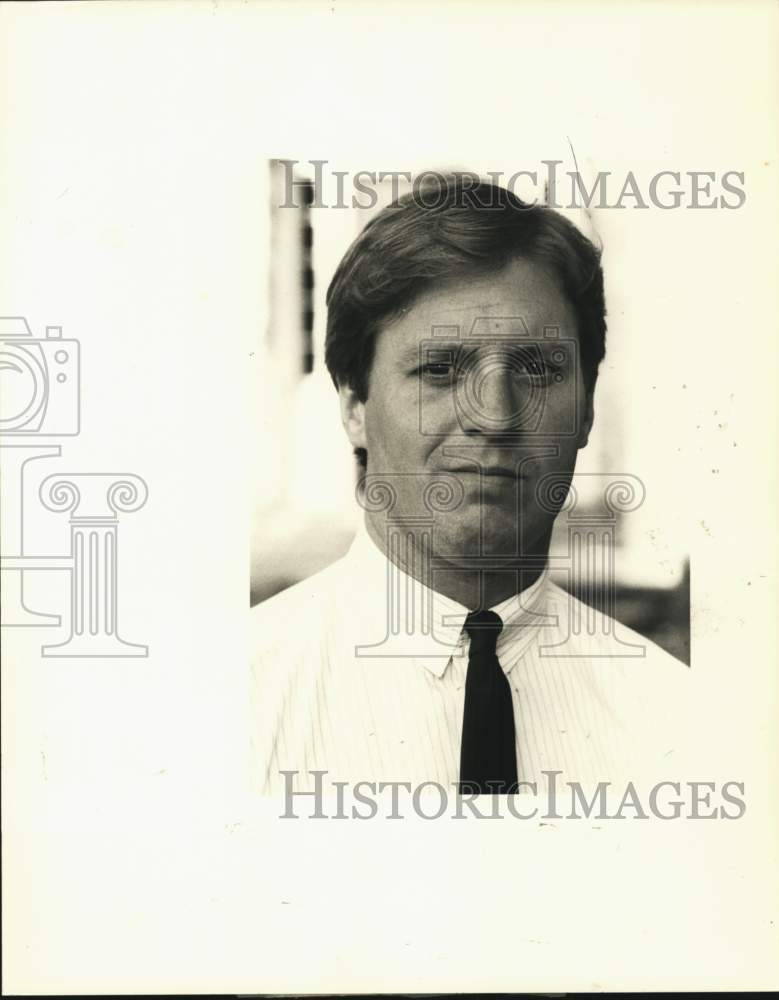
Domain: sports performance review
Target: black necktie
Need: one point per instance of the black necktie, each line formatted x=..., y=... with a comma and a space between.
x=488, y=759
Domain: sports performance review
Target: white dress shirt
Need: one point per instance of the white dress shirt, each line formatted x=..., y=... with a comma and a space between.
x=360, y=672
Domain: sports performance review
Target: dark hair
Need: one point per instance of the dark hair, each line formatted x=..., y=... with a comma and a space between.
x=461, y=229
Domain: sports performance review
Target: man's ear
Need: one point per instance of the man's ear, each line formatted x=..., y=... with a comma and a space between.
x=587, y=420
x=352, y=416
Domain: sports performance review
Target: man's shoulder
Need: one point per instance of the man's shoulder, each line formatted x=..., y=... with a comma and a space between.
x=649, y=694
x=599, y=634
x=297, y=612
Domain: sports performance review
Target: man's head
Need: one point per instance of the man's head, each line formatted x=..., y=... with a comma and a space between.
x=464, y=334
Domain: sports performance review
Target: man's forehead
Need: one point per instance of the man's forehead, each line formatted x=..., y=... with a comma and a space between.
x=443, y=309
x=523, y=301
x=510, y=317
x=481, y=327
x=484, y=331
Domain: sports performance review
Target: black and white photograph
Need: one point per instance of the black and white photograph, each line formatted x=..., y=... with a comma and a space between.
x=388, y=462
x=464, y=331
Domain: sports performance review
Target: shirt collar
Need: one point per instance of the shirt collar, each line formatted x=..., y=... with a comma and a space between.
x=417, y=621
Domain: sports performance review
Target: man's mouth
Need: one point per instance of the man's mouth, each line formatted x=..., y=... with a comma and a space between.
x=489, y=471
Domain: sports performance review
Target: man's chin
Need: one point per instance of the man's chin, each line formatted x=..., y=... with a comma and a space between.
x=472, y=538
x=496, y=536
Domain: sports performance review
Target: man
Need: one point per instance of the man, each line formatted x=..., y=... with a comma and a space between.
x=465, y=331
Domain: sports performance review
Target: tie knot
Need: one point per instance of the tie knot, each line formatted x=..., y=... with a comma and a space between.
x=483, y=628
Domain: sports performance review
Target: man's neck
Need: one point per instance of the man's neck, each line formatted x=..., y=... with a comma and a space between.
x=475, y=589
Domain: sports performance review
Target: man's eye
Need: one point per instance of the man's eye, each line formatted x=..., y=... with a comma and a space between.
x=541, y=370
x=445, y=371
x=438, y=370
x=536, y=368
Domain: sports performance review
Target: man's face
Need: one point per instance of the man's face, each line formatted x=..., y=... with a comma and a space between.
x=478, y=385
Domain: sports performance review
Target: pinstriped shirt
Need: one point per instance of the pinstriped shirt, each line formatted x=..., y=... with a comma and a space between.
x=360, y=671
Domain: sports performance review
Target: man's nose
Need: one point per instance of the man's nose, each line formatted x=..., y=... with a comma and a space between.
x=491, y=400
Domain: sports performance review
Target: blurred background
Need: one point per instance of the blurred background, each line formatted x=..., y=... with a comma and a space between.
x=304, y=473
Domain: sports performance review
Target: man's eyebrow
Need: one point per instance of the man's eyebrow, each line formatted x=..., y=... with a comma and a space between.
x=422, y=351
x=410, y=355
